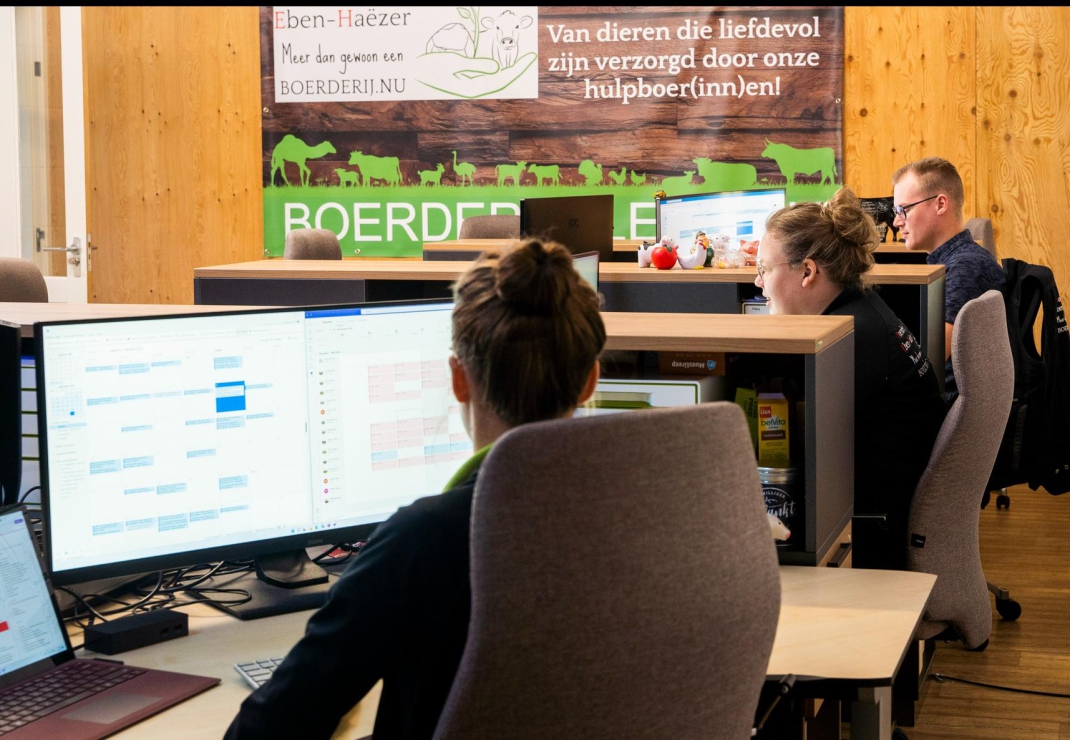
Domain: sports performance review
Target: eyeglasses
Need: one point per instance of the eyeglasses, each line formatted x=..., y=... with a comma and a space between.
x=762, y=267
x=901, y=211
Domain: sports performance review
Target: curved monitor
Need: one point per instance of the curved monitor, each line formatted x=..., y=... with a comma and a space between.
x=175, y=440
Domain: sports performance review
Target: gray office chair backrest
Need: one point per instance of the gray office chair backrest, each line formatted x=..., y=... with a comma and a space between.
x=981, y=230
x=624, y=582
x=21, y=281
x=312, y=244
x=499, y=226
x=945, y=512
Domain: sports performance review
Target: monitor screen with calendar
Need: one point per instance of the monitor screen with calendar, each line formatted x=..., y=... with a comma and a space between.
x=174, y=440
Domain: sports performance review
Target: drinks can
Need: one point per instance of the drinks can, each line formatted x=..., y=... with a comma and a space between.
x=784, y=500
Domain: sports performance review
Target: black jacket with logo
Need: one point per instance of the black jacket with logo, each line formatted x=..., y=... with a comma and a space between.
x=898, y=413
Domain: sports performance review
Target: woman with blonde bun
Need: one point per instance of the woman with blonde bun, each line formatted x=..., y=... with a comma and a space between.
x=813, y=260
x=526, y=338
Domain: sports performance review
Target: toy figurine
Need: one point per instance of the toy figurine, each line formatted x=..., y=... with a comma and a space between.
x=645, y=251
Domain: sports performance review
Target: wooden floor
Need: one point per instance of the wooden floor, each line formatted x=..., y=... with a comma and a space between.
x=1025, y=549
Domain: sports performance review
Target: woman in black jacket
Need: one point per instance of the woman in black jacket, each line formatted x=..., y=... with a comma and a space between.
x=526, y=337
x=813, y=259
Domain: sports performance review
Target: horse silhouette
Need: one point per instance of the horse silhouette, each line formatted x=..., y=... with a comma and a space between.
x=292, y=149
x=464, y=170
x=792, y=161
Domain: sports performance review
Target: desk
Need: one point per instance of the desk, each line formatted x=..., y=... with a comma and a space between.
x=624, y=250
x=914, y=292
x=468, y=249
x=25, y=314
x=851, y=628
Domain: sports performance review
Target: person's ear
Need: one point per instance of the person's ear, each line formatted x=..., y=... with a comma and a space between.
x=590, y=385
x=943, y=204
x=809, y=272
x=459, y=381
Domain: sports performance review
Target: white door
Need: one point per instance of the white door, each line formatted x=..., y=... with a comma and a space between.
x=42, y=145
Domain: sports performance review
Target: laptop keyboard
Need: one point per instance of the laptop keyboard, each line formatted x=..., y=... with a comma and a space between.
x=257, y=672
x=57, y=689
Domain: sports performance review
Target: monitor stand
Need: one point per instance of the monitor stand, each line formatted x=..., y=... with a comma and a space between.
x=280, y=583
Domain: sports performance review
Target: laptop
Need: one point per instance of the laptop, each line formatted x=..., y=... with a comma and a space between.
x=587, y=266
x=47, y=693
x=583, y=223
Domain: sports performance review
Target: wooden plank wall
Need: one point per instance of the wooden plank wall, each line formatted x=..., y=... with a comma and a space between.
x=173, y=146
x=173, y=120
x=986, y=87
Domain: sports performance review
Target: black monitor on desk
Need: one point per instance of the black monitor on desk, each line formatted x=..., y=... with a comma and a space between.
x=170, y=441
x=10, y=413
x=582, y=223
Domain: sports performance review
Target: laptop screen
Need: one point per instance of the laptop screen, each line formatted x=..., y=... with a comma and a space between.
x=587, y=266
x=29, y=629
x=739, y=214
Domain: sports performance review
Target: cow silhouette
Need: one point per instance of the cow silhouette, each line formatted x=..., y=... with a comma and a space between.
x=726, y=175
x=347, y=177
x=432, y=177
x=675, y=183
x=591, y=172
x=505, y=172
x=551, y=172
x=793, y=162
x=506, y=28
x=387, y=169
x=292, y=149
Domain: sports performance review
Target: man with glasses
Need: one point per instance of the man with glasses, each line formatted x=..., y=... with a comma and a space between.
x=928, y=213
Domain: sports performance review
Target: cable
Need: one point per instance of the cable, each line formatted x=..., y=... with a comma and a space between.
x=941, y=678
x=27, y=492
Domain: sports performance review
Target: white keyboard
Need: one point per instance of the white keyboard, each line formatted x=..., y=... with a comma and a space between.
x=257, y=672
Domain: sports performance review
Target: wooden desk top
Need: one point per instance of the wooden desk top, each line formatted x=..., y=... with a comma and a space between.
x=25, y=314
x=372, y=269
x=215, y=643
x=838, y=624
x=846, y=624
x=692, y=332
x=619, y=245
x=649, y=331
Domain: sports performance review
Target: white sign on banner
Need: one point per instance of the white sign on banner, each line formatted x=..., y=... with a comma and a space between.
x=345, y=54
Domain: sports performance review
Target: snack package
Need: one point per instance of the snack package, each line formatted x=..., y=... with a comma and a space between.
x=774, y=448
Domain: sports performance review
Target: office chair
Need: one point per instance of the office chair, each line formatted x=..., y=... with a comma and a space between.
x=981, y=231
x=312, y=244
x=21, y=281
x=498, y=226
x=619, y=590
x=945, y=511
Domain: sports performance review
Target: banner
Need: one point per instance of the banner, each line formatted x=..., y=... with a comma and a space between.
x=390, y=125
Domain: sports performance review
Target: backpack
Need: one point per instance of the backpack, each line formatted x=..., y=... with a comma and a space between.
x=1036, y=442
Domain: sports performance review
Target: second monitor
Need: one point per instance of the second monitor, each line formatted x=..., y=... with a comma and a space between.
x=583, y=223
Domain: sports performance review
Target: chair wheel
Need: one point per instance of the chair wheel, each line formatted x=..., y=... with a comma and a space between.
x=1009, y=609
x=898, y=734
x=980, y=648
x=985, y=498
x=1003, y=501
